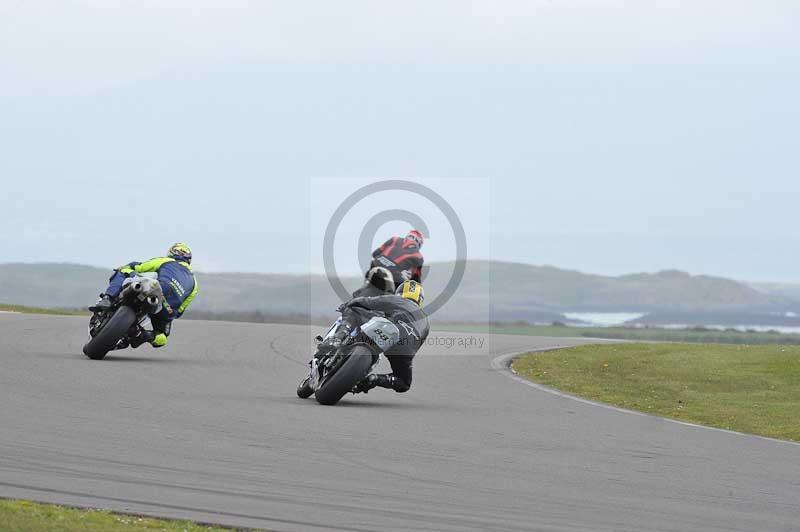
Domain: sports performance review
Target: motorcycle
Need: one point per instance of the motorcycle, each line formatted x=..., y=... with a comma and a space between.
x=344, y=358
x=127, y=322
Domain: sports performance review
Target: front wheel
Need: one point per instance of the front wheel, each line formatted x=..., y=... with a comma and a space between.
x=355, y=368
x=113, y=331
x=304, y=390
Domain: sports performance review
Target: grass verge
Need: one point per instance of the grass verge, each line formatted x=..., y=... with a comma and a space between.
x=753, y=389
x=37, y=310
x=36, y=517
x=650, y=334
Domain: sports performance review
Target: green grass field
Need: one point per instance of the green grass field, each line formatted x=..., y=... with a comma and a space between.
x=691, y=335
x=26, y=516
x=37, y=310
x=753, y=389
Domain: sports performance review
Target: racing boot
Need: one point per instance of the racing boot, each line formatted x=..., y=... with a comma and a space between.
x=103, y=303
x=143, y=337
x=371, y=381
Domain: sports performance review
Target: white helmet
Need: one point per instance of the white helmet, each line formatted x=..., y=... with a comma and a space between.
x=381, y=278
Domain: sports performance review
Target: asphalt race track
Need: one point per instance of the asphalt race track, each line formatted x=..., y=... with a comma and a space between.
x=210, y=429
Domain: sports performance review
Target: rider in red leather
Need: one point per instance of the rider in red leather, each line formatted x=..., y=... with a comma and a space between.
x=401, y=256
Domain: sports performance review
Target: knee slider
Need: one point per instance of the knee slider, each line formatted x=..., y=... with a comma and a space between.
x=160, y=340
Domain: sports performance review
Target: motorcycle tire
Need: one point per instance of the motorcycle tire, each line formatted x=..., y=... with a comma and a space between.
x=355, y=368
x=116, y=329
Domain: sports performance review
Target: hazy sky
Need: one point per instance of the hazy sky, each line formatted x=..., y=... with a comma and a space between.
x=607, y=136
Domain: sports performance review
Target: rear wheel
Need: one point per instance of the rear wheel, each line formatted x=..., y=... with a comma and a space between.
x=106, y=339
x=355, y=368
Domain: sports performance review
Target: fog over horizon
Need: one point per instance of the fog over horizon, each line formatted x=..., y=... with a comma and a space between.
x=603, y=136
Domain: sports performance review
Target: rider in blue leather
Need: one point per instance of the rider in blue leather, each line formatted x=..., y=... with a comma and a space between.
x=177, y=281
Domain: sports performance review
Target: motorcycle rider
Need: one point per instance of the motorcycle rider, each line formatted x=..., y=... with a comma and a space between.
x=402, y=257
x=178, y=284
x=404, y=309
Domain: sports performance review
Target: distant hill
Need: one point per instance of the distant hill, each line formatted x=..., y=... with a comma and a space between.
x=496, y=291
x=643, y=292
x=785, y=290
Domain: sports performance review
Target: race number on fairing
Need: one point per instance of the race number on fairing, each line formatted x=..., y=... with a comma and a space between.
x=383, y=332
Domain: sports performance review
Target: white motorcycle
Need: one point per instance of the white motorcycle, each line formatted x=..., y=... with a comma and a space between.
x=344, y=357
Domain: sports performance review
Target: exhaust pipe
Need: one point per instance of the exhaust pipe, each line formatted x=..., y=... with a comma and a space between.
x=152, y=301
x=136, y=287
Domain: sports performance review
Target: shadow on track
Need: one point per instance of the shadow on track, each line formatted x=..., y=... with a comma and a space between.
x=356, y=403
x=122, y=358
x=109, y=358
